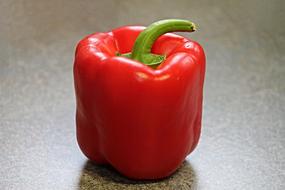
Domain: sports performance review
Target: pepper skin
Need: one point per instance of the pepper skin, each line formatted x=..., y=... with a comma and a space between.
x=141, y=120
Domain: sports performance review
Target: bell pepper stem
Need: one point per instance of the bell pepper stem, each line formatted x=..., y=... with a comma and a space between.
x=142, y=48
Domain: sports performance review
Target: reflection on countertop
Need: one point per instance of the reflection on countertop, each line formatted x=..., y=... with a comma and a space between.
x=105, y=177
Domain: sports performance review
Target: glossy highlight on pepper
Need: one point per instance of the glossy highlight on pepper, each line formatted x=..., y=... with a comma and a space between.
x=139, y=97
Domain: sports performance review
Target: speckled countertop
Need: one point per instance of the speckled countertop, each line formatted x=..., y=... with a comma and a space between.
x=243, y=136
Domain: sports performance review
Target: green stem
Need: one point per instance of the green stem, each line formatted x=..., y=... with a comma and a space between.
x=144, y=42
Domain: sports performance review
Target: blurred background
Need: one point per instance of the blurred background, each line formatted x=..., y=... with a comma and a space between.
x=243, y=135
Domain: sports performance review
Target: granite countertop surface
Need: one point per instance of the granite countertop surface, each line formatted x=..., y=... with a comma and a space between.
x=242, y=145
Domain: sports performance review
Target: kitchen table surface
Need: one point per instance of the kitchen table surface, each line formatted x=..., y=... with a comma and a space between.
x=242, y=145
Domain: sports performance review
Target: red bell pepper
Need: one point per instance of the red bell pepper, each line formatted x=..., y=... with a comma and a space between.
x=139, y=111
